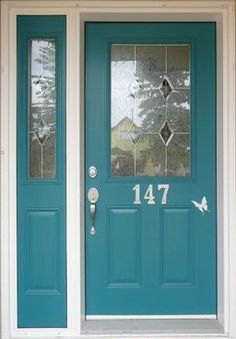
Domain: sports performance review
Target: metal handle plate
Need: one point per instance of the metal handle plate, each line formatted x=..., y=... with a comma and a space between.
x=93, y=197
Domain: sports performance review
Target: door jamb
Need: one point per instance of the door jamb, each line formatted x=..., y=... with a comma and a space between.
x=223, y=204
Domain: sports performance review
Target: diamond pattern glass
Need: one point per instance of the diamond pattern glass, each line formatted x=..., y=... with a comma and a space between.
x=165, y=88
x=42, y=109
x=42, y=132
x=150, y=110
x=135, y=133
x=166, y=133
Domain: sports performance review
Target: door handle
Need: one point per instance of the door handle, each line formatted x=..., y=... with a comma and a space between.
x=93, y=197
x=92, y=215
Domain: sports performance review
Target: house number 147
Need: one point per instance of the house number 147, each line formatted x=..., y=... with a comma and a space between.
x=149, y=196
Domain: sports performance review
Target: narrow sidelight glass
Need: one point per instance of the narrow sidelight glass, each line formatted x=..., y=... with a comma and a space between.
x=42, y=109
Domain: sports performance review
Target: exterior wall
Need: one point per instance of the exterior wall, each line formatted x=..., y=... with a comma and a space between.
x=7, y=323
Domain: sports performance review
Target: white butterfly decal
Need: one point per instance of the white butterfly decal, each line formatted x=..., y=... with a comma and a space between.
x=202, y=206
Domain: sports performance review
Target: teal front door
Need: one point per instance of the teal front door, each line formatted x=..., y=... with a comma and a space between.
x=150, y=150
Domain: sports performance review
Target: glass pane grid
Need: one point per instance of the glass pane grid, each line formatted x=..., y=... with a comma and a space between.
x=150, y=110
x=42, y=109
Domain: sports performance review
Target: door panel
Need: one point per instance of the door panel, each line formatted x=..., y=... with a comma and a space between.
x=124, y=268
x=150, y=132
x=177, y=251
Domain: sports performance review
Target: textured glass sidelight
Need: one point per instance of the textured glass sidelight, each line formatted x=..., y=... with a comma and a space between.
x=42, y=109
x=150, y=110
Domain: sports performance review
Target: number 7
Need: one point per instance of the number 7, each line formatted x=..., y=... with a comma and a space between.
x=166, y=189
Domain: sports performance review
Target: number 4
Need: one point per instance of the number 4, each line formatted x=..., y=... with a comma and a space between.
x=166, y=189
x=149, y=196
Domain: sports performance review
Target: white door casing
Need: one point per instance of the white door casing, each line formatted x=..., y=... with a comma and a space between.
x=77, y=13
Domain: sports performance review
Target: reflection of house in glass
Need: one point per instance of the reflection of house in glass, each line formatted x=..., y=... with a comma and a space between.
x=150, y=110
x=122, y=155
x=137, y=153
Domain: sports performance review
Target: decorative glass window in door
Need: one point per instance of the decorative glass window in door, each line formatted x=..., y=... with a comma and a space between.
x=42, y=109
x=150, y=110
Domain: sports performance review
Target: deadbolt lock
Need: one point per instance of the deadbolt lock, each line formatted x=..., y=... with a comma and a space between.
x=92, y=172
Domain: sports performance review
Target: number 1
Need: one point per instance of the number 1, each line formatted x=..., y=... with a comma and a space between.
x=137, y=200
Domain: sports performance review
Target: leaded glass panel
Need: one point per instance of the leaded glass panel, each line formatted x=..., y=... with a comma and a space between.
x=42, y=109
x=150, y=110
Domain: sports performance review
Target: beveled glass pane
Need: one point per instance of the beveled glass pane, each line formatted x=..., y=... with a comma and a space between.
x=122, y=153
x=42, y=106
x=166, y=88
x=49, y=160
x=123, y=66
x=152, y=111
x=178, y=66
x=35, y=157
x=123, y=106
x=150, y=64
x=150, y=105
x=178, y=110
x=178, y=151
x=166, y=132
x=150, y=156
x=135, y=133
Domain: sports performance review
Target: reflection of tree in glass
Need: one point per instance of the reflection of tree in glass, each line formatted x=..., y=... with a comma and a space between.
x=43, y=110
x=123, y=163
x=150, y=156
x=157, y=79
x=46, y=81
x=153, y=110
x=122, y=149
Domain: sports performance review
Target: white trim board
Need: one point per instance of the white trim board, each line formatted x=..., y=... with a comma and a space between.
x=77, y=12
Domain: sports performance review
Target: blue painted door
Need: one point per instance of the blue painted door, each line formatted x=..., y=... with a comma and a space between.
x=41, y=216
x=150, y=132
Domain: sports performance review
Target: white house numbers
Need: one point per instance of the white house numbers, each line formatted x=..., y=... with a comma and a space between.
x=149, y=195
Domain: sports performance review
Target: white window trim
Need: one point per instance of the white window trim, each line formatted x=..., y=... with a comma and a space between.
x=77, y=12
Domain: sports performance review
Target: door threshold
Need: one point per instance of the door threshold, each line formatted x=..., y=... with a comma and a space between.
x=149, y=317
x=152, y=326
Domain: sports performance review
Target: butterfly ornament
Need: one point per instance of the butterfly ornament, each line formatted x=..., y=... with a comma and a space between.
x=202, y=206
